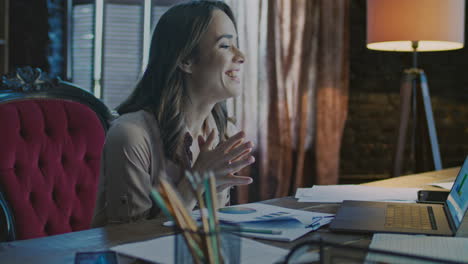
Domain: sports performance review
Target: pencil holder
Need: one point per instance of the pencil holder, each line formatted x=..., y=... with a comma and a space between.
x=229, y=247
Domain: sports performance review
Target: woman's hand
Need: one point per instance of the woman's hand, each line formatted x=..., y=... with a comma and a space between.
x=224, y=160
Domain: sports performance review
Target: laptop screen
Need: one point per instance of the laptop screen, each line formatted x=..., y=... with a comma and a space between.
x=457, y=201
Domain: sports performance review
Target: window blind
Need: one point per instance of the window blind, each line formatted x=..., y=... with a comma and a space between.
x=122, y=45
x=122, y=51
x=82, y=45
x=158, y=11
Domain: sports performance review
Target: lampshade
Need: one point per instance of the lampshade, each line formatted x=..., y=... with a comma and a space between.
x=435, y=24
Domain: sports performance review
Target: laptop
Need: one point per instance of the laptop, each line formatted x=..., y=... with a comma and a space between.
x=411, y=218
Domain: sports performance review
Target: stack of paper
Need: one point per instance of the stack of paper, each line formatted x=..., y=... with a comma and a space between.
x=286, y=224
x=161, y=250
x=338, y=193
x=445, y=248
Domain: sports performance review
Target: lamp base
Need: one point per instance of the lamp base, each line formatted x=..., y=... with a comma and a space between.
x=415, y=99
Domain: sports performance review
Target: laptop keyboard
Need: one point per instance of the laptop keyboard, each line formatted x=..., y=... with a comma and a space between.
x=408, y=216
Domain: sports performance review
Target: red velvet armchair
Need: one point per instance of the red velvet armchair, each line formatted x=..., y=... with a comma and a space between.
x=51, y=138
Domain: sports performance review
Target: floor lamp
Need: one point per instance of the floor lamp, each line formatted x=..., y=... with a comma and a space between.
x=416, y=26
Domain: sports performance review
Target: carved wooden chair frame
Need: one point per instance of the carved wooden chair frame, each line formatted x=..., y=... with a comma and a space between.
x=32, y=83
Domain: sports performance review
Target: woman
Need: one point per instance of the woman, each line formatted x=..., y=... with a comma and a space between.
x=194, y=66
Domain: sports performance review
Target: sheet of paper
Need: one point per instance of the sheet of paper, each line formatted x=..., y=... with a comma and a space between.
x=258, y=212
x=292, y=224
x=446, y=248
x=290, y=229
x=338, y=193
x=445, y=185
x=161, y=250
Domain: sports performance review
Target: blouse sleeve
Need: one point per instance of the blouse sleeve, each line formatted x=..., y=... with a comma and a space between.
x=125, y=172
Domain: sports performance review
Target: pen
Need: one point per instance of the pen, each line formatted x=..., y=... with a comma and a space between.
x=251, y=230
x=313, y=225
x=321, y=217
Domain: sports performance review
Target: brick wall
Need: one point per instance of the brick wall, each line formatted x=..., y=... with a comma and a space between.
x=371, y=129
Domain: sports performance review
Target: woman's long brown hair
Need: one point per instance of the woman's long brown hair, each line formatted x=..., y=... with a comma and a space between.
x=161, y=90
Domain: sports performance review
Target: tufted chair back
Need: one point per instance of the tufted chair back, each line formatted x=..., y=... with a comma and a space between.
x=51, y=138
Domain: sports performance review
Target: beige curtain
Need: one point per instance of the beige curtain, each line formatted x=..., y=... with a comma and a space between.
x=294, y=103
x=332, y=88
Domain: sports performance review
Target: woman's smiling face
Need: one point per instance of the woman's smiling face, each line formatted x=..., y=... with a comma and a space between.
x=216, y=72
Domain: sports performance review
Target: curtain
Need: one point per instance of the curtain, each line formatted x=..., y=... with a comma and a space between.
x=57, y=38
x=251, y=108
x=294, y=103
x=332, y=88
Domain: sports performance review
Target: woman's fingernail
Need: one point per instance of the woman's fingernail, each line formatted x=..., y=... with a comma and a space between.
x=251, y=159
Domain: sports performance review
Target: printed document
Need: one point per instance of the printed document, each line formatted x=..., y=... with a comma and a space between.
x=292, y=224
x=259, y=212
x=290, y=229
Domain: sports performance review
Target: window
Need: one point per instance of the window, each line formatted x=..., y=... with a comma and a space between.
x=109, y=44
x=82, y=45
x=122, y=51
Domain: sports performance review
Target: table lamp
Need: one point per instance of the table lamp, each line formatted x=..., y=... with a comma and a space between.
x=416, y=26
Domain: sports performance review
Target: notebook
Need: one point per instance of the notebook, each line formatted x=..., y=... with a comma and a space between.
x=412, y=218
x=434, y=247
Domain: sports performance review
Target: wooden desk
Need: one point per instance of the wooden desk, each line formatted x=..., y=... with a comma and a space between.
x=419, y=180
x=61, y=249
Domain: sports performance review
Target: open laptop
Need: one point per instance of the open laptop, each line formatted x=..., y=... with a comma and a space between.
x=413, y=218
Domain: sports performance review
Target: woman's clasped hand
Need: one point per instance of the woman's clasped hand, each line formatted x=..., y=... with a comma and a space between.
x=226, y=159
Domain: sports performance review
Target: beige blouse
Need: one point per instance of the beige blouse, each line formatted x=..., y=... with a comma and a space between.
x=131, y=162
